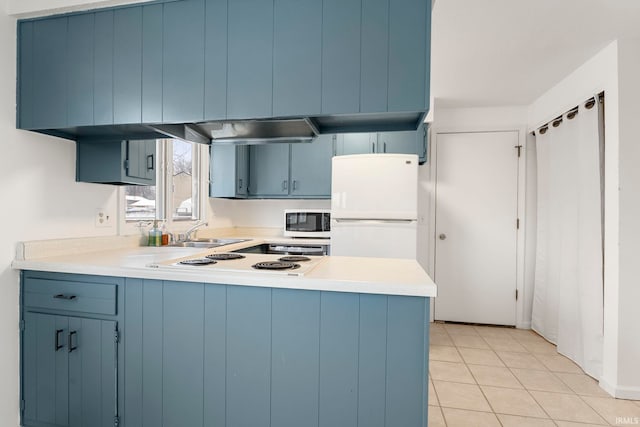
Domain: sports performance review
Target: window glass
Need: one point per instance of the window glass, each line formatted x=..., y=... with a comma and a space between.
x=182, y=190
x=140, y=202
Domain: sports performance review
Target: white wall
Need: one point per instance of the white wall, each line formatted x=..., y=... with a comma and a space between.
x=40, y=200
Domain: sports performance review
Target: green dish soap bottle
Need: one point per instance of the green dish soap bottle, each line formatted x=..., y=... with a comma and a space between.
x=155, y=235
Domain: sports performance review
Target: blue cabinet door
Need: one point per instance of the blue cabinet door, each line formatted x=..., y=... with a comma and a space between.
x=92, y=351
x=50, y=73
x=45, y=369
x=269, y=170
x=341, y=56
x=152, y=31
x=311, y=168
x=127, y=65
x=183, y=62
x=141, y=160
x=375, y=56
x=250, y=59
x=80, y=59
x=408, y=142
x=297, y=55
x=409, y=54
x=356, y=143
x=228, y=171
x=103, y=68
x=215, y=60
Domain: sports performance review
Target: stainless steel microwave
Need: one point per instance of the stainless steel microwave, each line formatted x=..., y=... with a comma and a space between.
x=307, y=223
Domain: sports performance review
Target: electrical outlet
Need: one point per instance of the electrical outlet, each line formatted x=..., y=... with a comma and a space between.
x=103, y=219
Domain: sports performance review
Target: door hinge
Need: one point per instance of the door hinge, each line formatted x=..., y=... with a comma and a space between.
x=126, y=165
x=116, y=336
x=22, y=405
x=517, y=223
x=22, y=325
x=516, y=295
x=116, y=421
x=519, y=147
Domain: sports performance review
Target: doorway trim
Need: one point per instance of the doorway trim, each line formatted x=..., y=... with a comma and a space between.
x=525, y=257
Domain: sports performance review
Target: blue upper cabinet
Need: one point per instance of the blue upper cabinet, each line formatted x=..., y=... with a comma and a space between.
x=215, y=60
x=409, y=54
x=403, y=142
x=127, y=65
x=152, y=55
x=311, y=168
x=250, y=59
x=297, y=57
x=80, y=69
x=50, y=73
x=341, y=56
x=350, y=65
x=183, y=63
x=103, y=68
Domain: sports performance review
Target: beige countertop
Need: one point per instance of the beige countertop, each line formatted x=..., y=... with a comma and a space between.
x=340, y=274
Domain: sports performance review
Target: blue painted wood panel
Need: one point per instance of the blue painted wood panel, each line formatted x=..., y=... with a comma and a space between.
x=133, y=356
x=341, y=56
x=103, y=68
x=215, y=355
x=182, y=354
x=269, y=170
x=45, y=382
x=26, y=75
x=250, y=59
x=339, y=320
x=127, y=65
x=311, y=168
x=295, y=360
x=356, y=143
x=407, y=322
x=152, y=30
x=375, y=56
x=92, y=373
x=215, y=60
x=183, y=61
x=372, y=361
x=152, y=342
x=80, y=70
x=248, y=356
x=409, y=47
x=50, y=73
x=297, y=57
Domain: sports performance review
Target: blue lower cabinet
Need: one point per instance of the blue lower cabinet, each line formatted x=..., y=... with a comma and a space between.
x=69, y=362
x=221, y=355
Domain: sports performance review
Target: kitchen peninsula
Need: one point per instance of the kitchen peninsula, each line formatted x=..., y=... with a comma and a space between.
x=344, y=344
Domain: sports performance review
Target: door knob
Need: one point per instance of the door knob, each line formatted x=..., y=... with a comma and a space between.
x=442, y=236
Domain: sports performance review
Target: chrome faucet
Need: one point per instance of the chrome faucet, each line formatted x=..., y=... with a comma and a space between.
x=191, y=230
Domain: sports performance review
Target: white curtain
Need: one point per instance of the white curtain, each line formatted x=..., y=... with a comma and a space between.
x=568, y=293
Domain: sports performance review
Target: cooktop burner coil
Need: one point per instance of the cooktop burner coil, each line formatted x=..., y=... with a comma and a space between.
x=276, y=265
x=225, y=257
x=294, y=258
x=197, y=261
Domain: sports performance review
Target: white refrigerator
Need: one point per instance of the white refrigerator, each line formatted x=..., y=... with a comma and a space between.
x=374, y=205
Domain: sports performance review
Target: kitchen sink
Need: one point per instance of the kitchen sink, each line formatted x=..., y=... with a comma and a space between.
x=207, y=243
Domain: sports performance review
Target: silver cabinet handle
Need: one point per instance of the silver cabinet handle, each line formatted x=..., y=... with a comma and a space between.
x=385, y=147
x=442, y=236
x=285, y=185
x=295, y=185
x=150, y=163
x=240, y=183
x=373, y=147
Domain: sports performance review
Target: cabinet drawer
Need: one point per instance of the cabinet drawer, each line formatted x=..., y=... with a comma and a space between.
x=65, y=295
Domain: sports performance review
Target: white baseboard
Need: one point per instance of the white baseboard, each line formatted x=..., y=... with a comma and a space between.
x=621, y=392
x=523, y=325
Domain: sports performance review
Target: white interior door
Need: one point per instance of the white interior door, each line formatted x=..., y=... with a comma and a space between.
x=476, y=214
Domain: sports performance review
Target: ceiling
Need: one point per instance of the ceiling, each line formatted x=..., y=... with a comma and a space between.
x=509, y=52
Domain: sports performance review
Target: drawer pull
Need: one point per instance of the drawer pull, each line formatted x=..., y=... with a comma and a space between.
x=71, y=346
x=58, y=345
x=63, y=296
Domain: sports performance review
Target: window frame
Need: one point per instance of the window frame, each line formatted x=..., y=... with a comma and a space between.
x=164, y=201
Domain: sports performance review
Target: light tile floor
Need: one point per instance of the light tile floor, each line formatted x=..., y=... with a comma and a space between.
x=490, y=376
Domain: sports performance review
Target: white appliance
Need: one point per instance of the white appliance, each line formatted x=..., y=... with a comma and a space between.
x=313, y=223
x=374, y=205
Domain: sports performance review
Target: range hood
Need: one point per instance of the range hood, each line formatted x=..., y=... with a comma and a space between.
x=247, y=132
